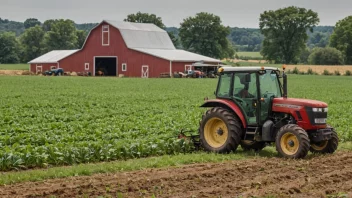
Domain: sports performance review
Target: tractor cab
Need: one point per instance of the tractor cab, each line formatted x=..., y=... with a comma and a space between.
x=251, y=109
x=251, y=91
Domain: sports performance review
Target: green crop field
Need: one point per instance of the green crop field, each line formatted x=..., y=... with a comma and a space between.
x=14, y=66
x=250, y=54
x=69, y=120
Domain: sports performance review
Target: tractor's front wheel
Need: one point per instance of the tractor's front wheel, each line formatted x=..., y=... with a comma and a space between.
x=292, y=141
x=220, y=131
x=252, y=145
x=328, y=146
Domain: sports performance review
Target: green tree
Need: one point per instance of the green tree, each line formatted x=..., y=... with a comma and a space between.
x=145, y=18
x=62, y=36
x=175, y=40
x=341, y=38
x=31, y=22
x=285, y=32
x=204, y=34
x=9, y=48
x=48, y=23
x=325, y=56
x=81, y=38
x=303, y=58
x=32, y=43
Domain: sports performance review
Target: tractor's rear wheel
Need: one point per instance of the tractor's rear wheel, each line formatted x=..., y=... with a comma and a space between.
x=292, y=141
x=220, y=131
x=328, y=146
x=252, y=145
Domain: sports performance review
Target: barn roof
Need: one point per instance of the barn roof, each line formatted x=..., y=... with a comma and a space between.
x=143, y=35
x=176, y=55
x=53, y=56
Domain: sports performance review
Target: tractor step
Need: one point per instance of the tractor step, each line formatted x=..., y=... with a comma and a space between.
x=251, y=131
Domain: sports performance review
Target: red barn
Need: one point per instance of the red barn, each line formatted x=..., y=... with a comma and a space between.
x=122, y=48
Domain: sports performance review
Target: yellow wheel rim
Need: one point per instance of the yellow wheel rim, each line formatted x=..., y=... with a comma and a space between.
x=319, y=146
x=215, y=132
x=289, y=144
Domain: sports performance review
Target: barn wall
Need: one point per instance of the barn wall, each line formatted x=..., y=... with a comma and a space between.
x=117, y=47
x=45, y=66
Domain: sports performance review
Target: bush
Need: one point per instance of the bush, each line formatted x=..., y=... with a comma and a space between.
x=310, y=71
x=325, y=56
x=295, y=71
x=337, y=73
x=301, y=73
x=327, y=73
x=348, y=73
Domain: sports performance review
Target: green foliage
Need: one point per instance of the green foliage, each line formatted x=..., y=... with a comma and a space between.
x=337, y=73
x=325, y=56
x=285, y=33
x=11, y=26
x=348, y=73
x=62, y=36
x=145, y=18
x=48, y=24
x=31, y=22
x=341, y=38
x=32, y=43
x=303, y=58
x=9, y=48
x=295, y=71
x=311, y=72
x=81, y=38
x=204, y=34
x=248, y=39
x=326, y=73
x=175, y=40
x=71, y=120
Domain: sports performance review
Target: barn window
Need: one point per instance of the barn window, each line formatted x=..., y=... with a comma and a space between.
x=105, y=35
x=124, y=67
x=86, y=66
x=52, y=67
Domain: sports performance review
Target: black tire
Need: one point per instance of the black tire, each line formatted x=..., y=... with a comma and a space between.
x=252, y=145
x=329, y=146
x=292, y=142
x=233, y=126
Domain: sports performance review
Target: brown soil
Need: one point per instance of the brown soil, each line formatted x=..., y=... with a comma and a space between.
x=317, y=177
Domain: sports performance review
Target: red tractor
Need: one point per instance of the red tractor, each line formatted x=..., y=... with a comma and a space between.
x=251, y=109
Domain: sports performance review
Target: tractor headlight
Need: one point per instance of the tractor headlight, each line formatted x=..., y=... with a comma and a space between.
x=320, y=120
x=317, y=109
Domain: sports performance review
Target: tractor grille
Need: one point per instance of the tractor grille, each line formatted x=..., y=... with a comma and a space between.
x=316, y=115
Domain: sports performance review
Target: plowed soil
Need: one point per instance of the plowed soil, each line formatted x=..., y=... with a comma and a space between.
x=315, y=177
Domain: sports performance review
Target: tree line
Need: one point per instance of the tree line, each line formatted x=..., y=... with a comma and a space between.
x=289, y=35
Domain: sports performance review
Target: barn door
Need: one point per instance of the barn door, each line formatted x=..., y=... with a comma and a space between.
x=38, y=69
x=188, y=67
x=145, y=71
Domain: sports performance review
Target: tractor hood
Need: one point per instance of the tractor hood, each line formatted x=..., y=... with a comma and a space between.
x=300, y=102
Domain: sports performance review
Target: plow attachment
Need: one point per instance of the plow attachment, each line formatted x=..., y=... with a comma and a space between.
x=192, y=136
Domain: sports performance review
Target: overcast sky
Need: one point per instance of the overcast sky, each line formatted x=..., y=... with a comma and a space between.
x=235, y=13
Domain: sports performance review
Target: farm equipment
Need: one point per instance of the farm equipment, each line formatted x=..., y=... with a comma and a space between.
x=252, y=109
x=54, y=72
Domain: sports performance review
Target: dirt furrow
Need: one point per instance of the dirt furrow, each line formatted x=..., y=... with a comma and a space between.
x=316, y=177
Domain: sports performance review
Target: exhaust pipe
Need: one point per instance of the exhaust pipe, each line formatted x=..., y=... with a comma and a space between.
x=284, y=76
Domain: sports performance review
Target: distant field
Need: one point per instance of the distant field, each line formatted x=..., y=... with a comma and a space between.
x=250, y=54
x=14, y=66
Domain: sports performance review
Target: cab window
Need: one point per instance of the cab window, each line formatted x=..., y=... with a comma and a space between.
x=224, y=85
